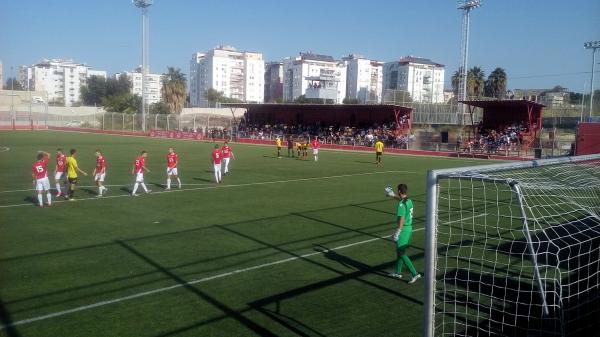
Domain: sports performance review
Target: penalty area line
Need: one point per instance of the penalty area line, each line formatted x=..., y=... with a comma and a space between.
x=180, y=285
x=223, y=186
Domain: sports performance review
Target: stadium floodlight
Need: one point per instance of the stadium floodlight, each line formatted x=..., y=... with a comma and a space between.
x=593, y=45
x=514, y=249
x=466, y=6
x=144, y=4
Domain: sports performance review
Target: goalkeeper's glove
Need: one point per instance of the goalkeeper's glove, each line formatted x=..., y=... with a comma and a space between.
x=396, y=236
x=389, y=192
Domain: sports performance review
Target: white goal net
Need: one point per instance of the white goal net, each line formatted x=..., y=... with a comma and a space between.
x=514, y=249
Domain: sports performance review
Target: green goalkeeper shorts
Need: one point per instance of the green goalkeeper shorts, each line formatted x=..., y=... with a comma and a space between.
x=405, y=235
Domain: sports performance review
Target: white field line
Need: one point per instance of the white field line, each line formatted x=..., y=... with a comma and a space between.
x=461, y=220
x=94, y=186
x=4, y=149
x=180, y=285
x=225, y=186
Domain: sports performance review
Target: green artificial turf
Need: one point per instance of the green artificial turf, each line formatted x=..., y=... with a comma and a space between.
x=267, y=236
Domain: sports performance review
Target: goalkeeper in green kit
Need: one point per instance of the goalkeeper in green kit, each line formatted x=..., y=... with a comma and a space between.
x=403, y=232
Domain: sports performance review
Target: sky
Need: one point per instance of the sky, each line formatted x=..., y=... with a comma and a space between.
x=538, y=42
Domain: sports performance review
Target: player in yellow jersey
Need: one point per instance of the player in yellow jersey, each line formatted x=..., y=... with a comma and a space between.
x=72, y=170
x=378, y=151
x=278, y=143
x=298, y=147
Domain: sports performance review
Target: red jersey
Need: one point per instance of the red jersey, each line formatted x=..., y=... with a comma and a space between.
x=60, y=163
x=100, y=164
x=316, y=144
x=40, y=168
x=172, y=159
x=226, y=151
x=139, y=164
x=217, y=155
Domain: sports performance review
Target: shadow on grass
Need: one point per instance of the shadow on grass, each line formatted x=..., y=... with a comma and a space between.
x=204, y=179
x=7, y=321
x=230, y=312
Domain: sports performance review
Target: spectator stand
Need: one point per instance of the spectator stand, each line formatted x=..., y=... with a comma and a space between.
x=507, y=127
x=334, y=124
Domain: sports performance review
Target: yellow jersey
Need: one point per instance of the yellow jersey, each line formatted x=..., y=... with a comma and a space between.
x=379, y=146
x=278, y=142
x=71, y=167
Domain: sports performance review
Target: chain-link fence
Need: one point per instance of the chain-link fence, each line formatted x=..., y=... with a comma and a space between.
x=557, y=136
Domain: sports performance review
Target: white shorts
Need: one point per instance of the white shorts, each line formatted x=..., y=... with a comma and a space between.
x=60, y=175
x=139, y=177
x=217, y=167
x=315, y=151
x=42, y=184
x=172, y=171
x=99, y=177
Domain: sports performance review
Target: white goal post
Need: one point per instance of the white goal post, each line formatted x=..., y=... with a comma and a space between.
x=514, y=249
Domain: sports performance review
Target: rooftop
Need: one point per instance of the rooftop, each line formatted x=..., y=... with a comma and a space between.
x=419, y=60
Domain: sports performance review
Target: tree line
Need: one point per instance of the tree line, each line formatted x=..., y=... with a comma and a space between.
x=114, y=94
x=478, y=86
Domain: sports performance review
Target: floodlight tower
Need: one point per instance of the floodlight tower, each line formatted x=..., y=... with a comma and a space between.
x=144, y=4
x=593, y=45
x=466, y=6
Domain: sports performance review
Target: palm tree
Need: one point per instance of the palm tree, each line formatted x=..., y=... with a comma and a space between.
x=495, y=86
x=475, y=82
x=456, y=83
x=174, y=89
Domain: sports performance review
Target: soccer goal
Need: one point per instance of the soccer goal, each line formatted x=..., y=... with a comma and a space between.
x=514, y=249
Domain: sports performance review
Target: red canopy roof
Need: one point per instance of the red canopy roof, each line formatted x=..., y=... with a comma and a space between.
x=508, y=112
x=324, y=114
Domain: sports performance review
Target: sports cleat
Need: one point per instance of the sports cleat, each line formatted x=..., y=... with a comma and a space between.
x=394, y=275
x=134, y=195
x=148, y=191
x=71, y=199
x=41, y=206
x=98, y=195
x=414, y=279
x=58, y=194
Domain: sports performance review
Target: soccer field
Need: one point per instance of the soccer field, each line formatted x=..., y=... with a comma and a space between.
x=283, y=247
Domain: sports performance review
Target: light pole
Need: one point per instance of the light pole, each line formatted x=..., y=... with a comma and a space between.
x=466, y=6
x=12, y=97
x=593, y=45
x=144, y=4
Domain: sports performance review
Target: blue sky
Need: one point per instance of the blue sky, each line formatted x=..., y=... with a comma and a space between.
x=539, y=43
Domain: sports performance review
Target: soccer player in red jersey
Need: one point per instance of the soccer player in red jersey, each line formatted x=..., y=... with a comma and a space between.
x=100, y=173
x=217, y=155
x=315, y=144
x=39, y=173
x=59, y=171
x=172, y=161
x=139, y=166
x=227, y=154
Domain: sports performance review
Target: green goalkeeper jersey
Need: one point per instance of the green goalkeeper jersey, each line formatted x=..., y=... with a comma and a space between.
x=405, y=209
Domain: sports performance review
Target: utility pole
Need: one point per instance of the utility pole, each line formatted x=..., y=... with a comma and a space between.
x=593, y=45
x=144, y=4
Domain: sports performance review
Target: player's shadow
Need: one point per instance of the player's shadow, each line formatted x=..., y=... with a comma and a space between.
x=31, y=199
x=89, y=191
x=203, y=179
x=126, y=189
x=365, y=162
x=348, y=262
